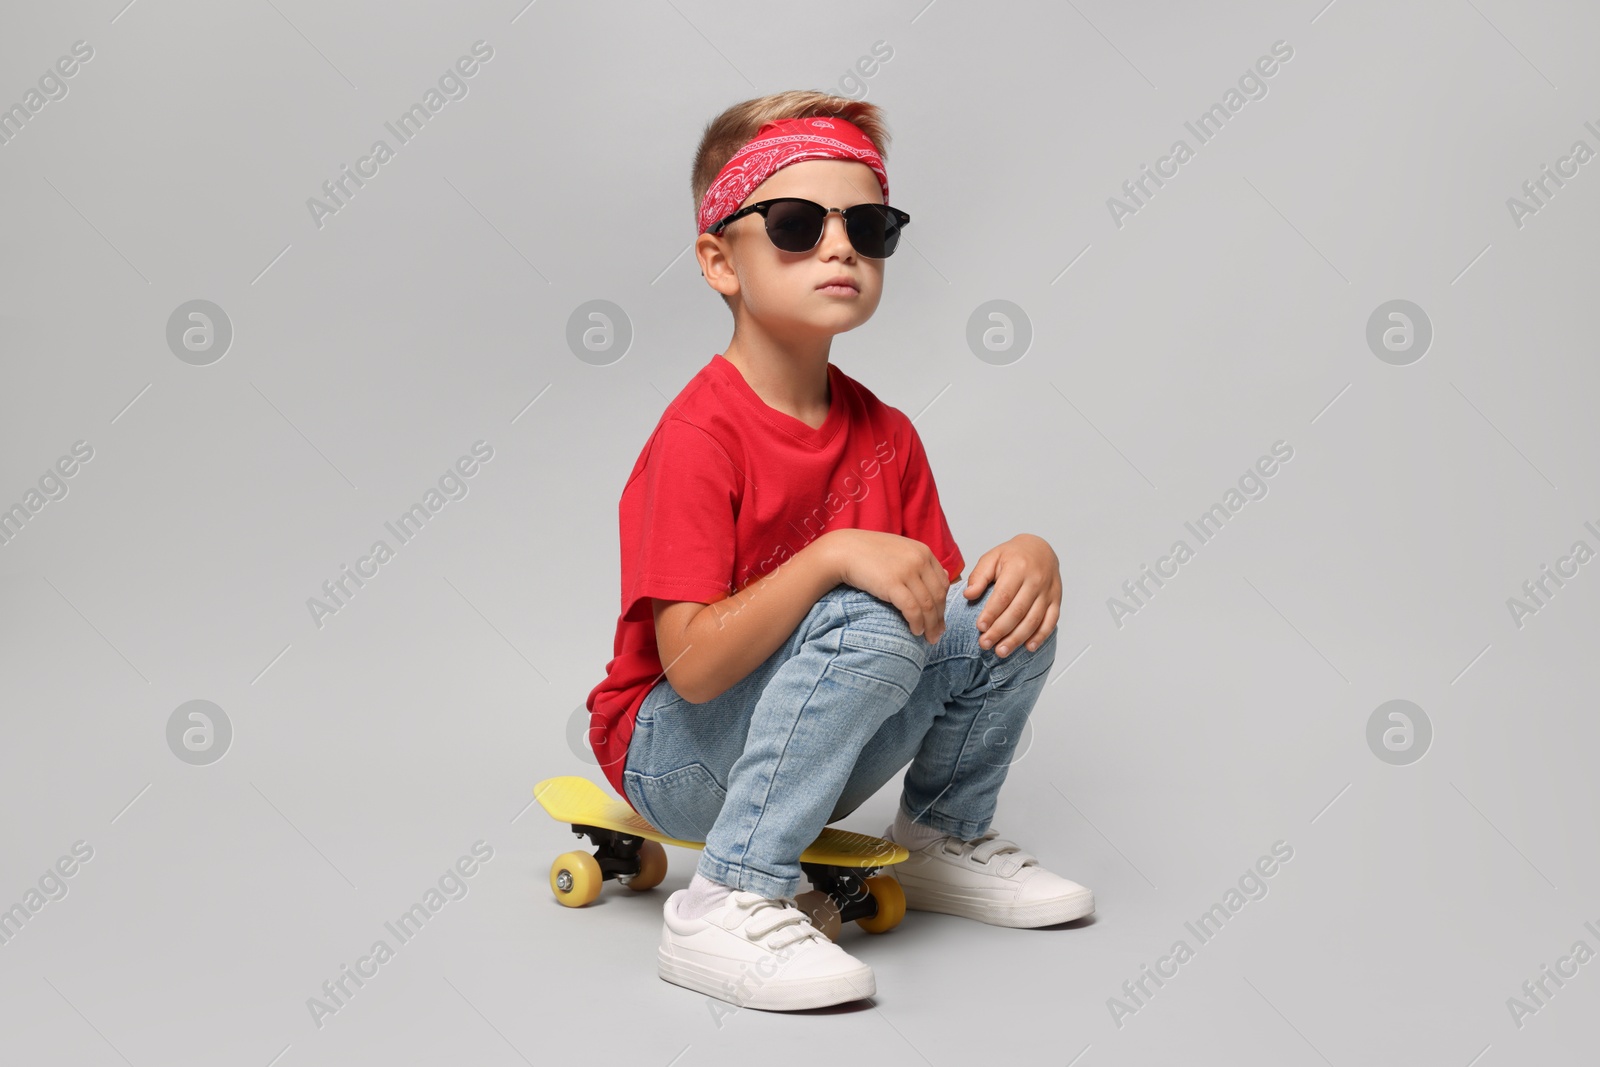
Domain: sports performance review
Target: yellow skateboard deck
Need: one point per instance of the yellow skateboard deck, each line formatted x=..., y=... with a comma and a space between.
x=580, y=802
x=840, y=864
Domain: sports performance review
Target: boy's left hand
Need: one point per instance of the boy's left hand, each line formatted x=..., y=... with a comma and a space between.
x=1026, y=601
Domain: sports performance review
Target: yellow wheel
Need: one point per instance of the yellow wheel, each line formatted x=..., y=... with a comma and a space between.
x=652, y=867
x=823, y=911
x=575, y=878
x=891, y=904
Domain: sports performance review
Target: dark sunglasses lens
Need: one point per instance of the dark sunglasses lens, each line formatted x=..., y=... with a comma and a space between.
x=873, y=230
x=795, y=226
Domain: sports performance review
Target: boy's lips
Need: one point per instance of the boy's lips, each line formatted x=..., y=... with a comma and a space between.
x=839, y=286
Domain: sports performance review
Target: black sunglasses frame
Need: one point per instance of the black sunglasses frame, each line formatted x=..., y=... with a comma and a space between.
x=901, y=220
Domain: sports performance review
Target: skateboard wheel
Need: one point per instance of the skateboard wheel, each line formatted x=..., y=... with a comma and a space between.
x=823, y=911
x=575, y=878
x=885, y=889
x=652, y=867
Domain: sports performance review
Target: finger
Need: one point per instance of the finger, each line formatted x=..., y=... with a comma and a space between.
x=1025, y=629
x=1006, y=583
x=929, y=612
x=905, y=598
x=1017, y=606
x=913, y=601
x=1042, y=635
x=938, y=585
x=982, y=574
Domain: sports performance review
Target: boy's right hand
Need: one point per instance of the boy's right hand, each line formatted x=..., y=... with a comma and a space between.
x=900, y=570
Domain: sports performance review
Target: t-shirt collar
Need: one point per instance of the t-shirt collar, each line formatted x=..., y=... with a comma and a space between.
x=814, y=437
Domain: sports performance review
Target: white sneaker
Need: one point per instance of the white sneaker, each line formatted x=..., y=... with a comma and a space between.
x=990, y=879
x=758, y=952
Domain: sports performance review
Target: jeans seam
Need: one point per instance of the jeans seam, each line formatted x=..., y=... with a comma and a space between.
x=1016, y=682
x=961, y=755
x=965, y=829
x=641, y=803
x=1019, y=680
x=956, y=771
x=761, y=810
x=867, y=677
x=677, y=775
x=731, y=873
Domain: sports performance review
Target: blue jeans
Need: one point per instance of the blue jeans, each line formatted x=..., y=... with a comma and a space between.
x=849, y=698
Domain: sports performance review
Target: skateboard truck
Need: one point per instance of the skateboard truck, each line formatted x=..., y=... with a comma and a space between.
x=617, y=854
x=847, y=890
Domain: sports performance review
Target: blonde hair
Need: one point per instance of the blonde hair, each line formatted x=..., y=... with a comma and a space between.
x=731, y=130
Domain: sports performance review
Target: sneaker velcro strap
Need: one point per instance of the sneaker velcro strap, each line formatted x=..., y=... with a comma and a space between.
x=783, y=913
x=991, y=845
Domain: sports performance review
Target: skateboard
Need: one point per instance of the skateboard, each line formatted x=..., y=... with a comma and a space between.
x=841, y=865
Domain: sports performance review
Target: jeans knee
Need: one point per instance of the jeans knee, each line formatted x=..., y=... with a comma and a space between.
x=1019, y=662
x=1023, y=663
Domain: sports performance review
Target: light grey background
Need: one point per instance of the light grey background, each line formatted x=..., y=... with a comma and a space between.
x=1231, y=712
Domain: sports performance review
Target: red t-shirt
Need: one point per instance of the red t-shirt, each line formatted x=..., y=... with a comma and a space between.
x=727, y=488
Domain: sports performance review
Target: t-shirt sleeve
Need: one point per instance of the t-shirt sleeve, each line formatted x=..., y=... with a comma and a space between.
x=682, y=525
x=924, y=517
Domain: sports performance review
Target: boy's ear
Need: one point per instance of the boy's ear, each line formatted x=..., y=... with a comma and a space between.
x=715, y=265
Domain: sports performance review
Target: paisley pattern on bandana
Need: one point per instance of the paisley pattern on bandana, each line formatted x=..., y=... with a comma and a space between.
x=778, y=144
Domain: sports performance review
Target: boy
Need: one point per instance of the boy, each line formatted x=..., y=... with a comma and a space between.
x=791, y=632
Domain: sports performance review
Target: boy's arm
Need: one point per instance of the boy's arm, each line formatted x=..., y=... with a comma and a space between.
x=924, y=517
x=708, y=648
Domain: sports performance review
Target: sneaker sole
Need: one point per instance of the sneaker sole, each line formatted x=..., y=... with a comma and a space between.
x=1041, y=913
x=774, y=994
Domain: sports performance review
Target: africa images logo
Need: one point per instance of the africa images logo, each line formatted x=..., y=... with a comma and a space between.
x=341, y=189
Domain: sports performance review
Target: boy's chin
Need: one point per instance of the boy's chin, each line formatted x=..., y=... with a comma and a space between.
x=838, y=313
x=829, y=326
x=821, y=322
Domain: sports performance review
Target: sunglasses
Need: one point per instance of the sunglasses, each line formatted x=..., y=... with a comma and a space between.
x=795, y=225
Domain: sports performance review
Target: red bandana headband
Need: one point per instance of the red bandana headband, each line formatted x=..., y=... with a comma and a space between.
x=778, y=144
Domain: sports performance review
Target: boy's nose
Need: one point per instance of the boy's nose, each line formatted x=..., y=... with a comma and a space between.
x=834, y=236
